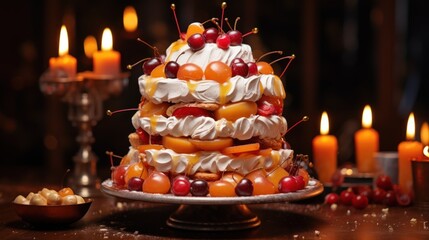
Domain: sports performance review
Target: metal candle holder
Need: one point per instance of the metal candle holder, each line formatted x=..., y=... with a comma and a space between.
x=84, y=94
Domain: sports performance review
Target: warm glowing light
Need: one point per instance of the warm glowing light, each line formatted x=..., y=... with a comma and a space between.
x=426, y=151
x=90, y=46
x=424, y=133
x=130, y=19
x=63, y=48
x=324, y=124
x=367, y=117
x=107, y=40
x=411, y=127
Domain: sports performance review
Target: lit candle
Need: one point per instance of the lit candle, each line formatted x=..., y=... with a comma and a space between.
x=366, y=143
x=426, y=153
x=107, y=61
x=325, y=148
x=64, y=62
x=424, y=134
x=130, y=19
x=407, y=150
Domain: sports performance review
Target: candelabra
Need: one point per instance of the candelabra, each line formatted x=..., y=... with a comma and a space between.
x=84, y=94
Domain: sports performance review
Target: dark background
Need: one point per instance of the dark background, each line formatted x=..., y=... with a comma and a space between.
x=349, y=53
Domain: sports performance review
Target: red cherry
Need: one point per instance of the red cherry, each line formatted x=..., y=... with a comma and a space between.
x=235, y=37
x=346, y=197
x=403, y=199
x=299, y=181
x=118, y=175
x=360, y=201
x=150, y=64
x=196, y=41
x=332, y=198
x=240, y=69
x=384, y=182
x=194, y=111
x=378, y=195
x=390, y=198
x=199, y=188
x=253, y=69
x=223, y=41
x=288, y=184
x=135, y=184
x=171, y=69
x=364, y=190
x=181, y=186
x=211, y=34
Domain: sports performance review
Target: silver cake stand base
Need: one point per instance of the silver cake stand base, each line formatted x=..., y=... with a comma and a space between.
x=213, y=213
x=85, y=95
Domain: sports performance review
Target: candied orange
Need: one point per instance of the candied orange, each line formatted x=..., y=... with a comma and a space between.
x=241, y=148
x=145, y=147
x=218, y=71
x=193, y=28
x=135, y=170
x=179, y=144
x=221, y=188
x=276, y=175
x=156, y=182
x=264, y=68
x=234, y=111
x=212, y=145
x=190, y=71
x=158, y=71
x=149, y=109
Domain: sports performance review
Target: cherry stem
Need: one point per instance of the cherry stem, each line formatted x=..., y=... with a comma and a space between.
x=235, y=24
x=292, y=57
x=254, y=31
x=304, y=119
x=111, y=154
x=269, y=53
x=223, y=12
x=217, y=24
x=155, y=49
x=227, y=22
x=110, y=113
x=210, y=20
x=179, y=56
x=64, y=178
x=173, y=7
x=111, y=157
x=130, y=66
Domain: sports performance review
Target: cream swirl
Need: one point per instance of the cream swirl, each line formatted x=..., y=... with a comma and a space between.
x=235, y=89
x=207, y=128
x=167, y=160
x=210, y=53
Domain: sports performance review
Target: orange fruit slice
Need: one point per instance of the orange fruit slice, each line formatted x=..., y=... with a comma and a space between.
x=241, y=148
x=145, y=147
x=234, y=111
x=178, y=144
x=212, y=145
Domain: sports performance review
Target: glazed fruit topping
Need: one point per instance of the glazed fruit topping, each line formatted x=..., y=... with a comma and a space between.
x=191, y=111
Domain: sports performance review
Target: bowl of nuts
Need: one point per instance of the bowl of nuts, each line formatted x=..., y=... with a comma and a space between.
x=49, y=207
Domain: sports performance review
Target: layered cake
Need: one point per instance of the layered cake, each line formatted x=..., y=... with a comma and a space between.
x=210, y=118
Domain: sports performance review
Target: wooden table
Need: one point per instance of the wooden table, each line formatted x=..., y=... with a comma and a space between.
x=112, y=218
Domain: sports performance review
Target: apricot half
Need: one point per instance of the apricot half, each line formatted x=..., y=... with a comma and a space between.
x=212, y=145
x=234, y=111
x=179, y=144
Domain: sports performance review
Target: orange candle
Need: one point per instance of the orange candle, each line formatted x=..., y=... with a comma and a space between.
x=107, y=61
x=366, y=143
x=325, y=148
x=64, y=62
x=407, y=150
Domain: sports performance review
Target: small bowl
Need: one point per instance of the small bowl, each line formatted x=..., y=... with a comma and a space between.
x=52, y=215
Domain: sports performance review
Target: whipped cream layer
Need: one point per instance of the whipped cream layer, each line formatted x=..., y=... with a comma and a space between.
x=207, y=128
x=236, y=89
x=167, y=160
x=210, y=53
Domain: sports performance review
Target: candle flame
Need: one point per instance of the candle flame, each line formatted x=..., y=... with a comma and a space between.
x=424, y=133
x=130, y=19
x=63, y=48
x=324, y=124
x=89, y=46
x=367, y=117
x=411, y=127
x=107, y=40
x=426, y=151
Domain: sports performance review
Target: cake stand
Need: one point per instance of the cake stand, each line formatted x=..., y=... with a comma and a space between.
x=213, y=213
x=84, y=94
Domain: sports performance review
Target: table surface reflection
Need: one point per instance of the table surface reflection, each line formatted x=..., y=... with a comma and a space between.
x=115, y=218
